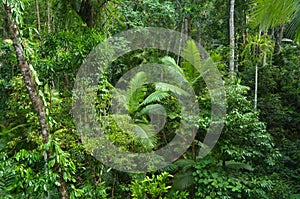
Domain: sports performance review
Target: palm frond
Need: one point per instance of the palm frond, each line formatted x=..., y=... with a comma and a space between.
x=156, y=96
x=136, y=91
x=238, y=165
x=191, y=54
x=146, y=134
x=293, y=28
x=185, y=163
x=149, y=108
x=136, y=82
x=169, y=61
x=7, y=181
x=270, y=13
x=183, y=180
x=168, y=87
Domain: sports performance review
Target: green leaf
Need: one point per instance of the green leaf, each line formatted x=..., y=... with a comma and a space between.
x=157, y=96
x=238, y=165
x=136, y=91
x=168, y=87
x=191, y=53
x=146, y=133
x=270, y=13
x=171, y=62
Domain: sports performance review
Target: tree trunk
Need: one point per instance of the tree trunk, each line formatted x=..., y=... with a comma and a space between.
x=184, y=21
x=48, y=16
x=86, y=13
x=27, y=76
x=279, y=36
x=63, y=192
x=32, y=90
x=256, y=75
x=231, y=36
x=256, y=85
x=37, y=11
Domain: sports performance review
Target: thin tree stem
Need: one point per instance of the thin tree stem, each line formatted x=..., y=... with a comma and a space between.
x=232, y=39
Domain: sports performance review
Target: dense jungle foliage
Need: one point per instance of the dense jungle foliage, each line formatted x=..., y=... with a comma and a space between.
x=255, y=44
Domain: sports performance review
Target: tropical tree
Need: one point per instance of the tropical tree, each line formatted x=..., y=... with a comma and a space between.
x=281, y=13
x=13, y=14
x=257, y=50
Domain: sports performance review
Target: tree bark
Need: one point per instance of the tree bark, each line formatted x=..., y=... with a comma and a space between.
x=86, y=13
x=279, y=36
x=232, y=40
x=63, y=192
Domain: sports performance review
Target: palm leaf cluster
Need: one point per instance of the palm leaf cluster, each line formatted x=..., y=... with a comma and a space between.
x=142, y=100
x=272, y=13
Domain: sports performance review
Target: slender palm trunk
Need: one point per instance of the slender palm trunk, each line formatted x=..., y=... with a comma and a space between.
x=256, y=75
x=232, y=40
x=37, y=11
x=183, y=27
x=48, y=16
x=256, y=85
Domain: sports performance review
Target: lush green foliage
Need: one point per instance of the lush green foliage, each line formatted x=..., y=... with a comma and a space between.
x=257, y=155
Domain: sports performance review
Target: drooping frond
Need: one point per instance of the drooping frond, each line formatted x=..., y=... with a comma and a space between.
x=146, y=134
x=7, y=181
x=157, y=96
x=238, y=165
x=136, y=91
x=293, y=28
x=270, y=13
x=150, y=107
x=183, y=180
x=168, y=87
x=185, y=163
x=136, y=82
x=191, y=53
x=169, y=61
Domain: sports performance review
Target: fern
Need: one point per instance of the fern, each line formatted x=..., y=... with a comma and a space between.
x=7, y=180
x=7, y=134
x=157, y=96
x=185, y=163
